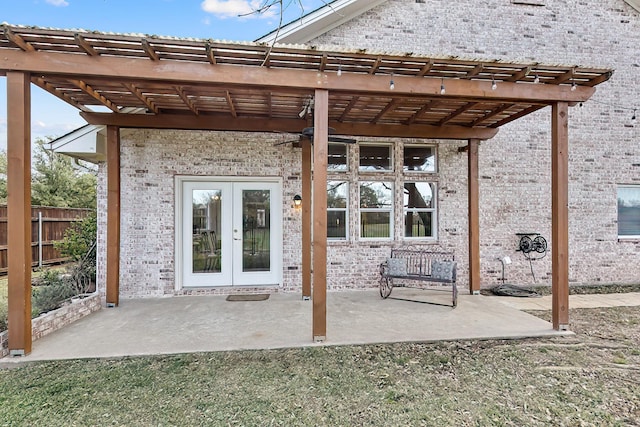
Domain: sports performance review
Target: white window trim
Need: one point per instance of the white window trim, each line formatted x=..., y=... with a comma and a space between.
x=434, y=210
x=391, y=157
x=625, y=236
x=346, y=213
x=338, y=171
x=391, y=211
x=435, y=161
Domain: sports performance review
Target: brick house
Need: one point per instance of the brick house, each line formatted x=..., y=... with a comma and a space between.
x=185, y=197
x=514, y=166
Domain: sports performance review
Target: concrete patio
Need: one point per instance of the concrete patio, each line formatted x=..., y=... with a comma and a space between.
x=210, y=323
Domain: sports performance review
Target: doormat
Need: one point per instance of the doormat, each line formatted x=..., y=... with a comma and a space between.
x=252, y=297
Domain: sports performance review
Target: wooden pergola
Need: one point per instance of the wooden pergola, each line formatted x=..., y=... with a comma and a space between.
x=211, y=85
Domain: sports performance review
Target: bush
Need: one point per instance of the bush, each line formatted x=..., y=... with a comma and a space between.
x=79, y=239
x=50, y=291
x=4, y=314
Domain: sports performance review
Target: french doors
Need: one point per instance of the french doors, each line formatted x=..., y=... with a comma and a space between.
x=231, y=233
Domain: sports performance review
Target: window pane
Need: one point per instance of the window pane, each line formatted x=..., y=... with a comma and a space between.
x=207, y=217
x=418, y=195
x=419, y=159
x=376, y=195
x=375, y=157
x=337, y=160
x=629, y=211
x=336, y=224
x=337, y=193
x=418, y=224
x=375, y=224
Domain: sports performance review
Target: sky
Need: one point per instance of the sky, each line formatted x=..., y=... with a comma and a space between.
x=215, y=19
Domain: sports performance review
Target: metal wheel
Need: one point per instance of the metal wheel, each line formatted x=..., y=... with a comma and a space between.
x=386, y=286
x=540, y=244
x=526, y=244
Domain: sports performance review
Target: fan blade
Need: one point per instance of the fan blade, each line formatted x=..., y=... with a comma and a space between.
x=341, y=140
x=292, y=141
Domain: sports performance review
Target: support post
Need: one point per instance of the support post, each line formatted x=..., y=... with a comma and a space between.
x=474, y=217
x=320, y=152
x=560, y=215
x=19, y=211
x=113, y=216
x=306, y=219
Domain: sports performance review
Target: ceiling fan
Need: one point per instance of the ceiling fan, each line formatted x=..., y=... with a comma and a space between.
x=308, y=133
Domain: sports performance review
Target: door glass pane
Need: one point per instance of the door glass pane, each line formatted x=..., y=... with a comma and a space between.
x=207, y=216
x=256, y=229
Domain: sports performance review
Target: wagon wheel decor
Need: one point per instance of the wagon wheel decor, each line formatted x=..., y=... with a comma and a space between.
x=386, y=286
x=532, y=249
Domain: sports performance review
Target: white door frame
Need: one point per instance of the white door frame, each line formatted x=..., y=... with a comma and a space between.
x=276, y=227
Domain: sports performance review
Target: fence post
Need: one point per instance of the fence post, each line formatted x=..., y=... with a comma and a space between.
x=39, y=239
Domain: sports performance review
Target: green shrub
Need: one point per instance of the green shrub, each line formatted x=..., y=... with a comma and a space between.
x=79, y=239
x=4, y=314
x=50, y=290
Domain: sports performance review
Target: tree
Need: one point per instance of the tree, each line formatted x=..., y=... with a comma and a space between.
x=55, y=180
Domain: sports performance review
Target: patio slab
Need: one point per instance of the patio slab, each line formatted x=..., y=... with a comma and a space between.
x=210, y=323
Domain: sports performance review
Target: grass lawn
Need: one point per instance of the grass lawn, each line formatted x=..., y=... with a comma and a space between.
x=589, y=379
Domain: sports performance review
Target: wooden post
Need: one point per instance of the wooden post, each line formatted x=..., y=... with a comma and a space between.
x=560, y=215
x=306, y=219
x=474, y=217
x=19, y=211
x=113, y=216
x=320, y=152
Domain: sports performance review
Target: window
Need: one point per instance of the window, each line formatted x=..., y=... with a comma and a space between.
x=337, y=196
x=629, y=211
x=375, y=158
x=419, y=158
x=376, y=210
x=419, y=210
x=337, y=159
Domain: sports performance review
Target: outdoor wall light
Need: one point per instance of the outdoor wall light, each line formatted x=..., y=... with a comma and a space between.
x=297, y=201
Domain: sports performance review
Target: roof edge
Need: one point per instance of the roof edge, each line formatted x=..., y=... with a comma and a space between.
x=319, y=21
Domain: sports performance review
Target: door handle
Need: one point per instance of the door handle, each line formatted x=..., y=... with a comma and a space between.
x=235, y=238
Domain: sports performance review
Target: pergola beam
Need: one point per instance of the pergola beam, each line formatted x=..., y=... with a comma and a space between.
x=84, y=45
x=474, y=216
x=126, y=68
x=19, y=211
x=80, y=84
x=320, y=153
x=560, y=215
x=113, y=216
x=306, y=218
x=141, y=96
x=38, y=81
x=224, y=122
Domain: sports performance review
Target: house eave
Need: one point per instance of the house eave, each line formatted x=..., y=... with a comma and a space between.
x=320, y=21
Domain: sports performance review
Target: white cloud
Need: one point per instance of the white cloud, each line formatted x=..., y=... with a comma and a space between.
x=235, y=8
x=58, y=3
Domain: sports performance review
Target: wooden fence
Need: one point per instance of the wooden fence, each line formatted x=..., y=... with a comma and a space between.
x=47, y=226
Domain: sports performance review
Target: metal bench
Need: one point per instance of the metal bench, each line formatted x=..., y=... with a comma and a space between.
x=410, y=265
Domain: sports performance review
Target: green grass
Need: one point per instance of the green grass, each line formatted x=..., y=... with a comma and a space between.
x=488, y=383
